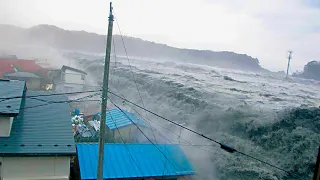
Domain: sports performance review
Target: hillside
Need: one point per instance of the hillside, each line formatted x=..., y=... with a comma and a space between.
x=310, y=71
x=55, y=37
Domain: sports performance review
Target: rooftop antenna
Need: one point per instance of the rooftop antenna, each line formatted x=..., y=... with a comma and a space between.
x=289, y=59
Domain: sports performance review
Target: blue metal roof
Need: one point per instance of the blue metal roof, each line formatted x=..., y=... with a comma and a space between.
x=133, y=161
x=117, y=118
x=11, y=88
x=40, y=129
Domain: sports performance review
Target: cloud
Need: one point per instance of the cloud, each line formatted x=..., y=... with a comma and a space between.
x=313, y=3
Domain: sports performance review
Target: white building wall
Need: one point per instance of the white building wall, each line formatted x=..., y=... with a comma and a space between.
x=74, y=78
x=5, y=126
x=35, y=168
x=68, y=88
x=72, y=72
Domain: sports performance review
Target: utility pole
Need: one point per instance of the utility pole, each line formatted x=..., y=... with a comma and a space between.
x=289, y=59
x=104, y=98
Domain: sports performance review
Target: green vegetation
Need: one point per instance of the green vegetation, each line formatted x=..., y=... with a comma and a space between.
x=310, y=71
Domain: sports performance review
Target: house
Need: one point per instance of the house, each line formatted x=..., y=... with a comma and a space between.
x=121, y=124
x=69, y=79
x=33, y=81
x=36, y=140
x=134, y=161
x=24, y=67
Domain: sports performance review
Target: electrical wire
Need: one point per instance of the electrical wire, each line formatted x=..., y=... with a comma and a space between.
x=55, y=102
x=124, y=142
x=134, y=78
x=188, y=142
x=115, y=56
x=170, y=141
x=52, y=94
x=222, y=146
x=143, y=133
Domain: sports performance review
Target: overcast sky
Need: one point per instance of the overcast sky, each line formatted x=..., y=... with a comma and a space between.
x=265, y=29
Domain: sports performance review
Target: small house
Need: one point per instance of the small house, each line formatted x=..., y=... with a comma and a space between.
x=69, y=79
x=26, y=70
x=122, y=125
x=33, y=81
x=134, y=161
x=36, y=140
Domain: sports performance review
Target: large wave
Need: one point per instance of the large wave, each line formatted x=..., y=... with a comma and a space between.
x=243, y=116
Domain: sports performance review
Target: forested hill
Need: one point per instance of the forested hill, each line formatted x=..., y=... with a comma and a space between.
x=310, y=71
x=55, y=37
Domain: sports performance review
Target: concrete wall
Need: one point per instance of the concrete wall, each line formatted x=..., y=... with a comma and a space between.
x=35, y=168
x=67, y=88
x=74, y=77
x=33, y=83
x=5, y=126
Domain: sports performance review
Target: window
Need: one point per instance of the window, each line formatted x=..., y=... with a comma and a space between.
x=82, y=77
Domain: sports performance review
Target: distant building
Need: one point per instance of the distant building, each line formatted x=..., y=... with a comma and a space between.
x=69, y=79
x=43, y=63
x=33, y=81
x=4, y=56
x=22, y=65
x=23, y=69
x=36, y=140
x=135, y=161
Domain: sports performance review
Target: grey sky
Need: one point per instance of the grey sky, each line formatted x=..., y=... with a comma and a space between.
x=265, y=29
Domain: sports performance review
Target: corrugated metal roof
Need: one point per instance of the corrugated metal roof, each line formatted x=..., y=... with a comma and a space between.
x=41, y=128
x=116, y=118
x=8, y=65
x=11, y=88
x=133, y=161
x=20, y=74
x=72, y=69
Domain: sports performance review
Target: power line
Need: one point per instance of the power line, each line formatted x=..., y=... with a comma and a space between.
x=52, y=94
x=170, y=141
x=167, y=160
x=115, y=56
x=142, y=133
x=189, y=143
x=145, y=120
x=56, y=102
x=222, y=146
x=134, y=78
x=124, y=142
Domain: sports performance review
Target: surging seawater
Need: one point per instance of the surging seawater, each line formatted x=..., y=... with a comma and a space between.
x=262, y=115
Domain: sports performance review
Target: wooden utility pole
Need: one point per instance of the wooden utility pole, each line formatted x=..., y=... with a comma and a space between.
x=104, y=98
x=289, y=59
